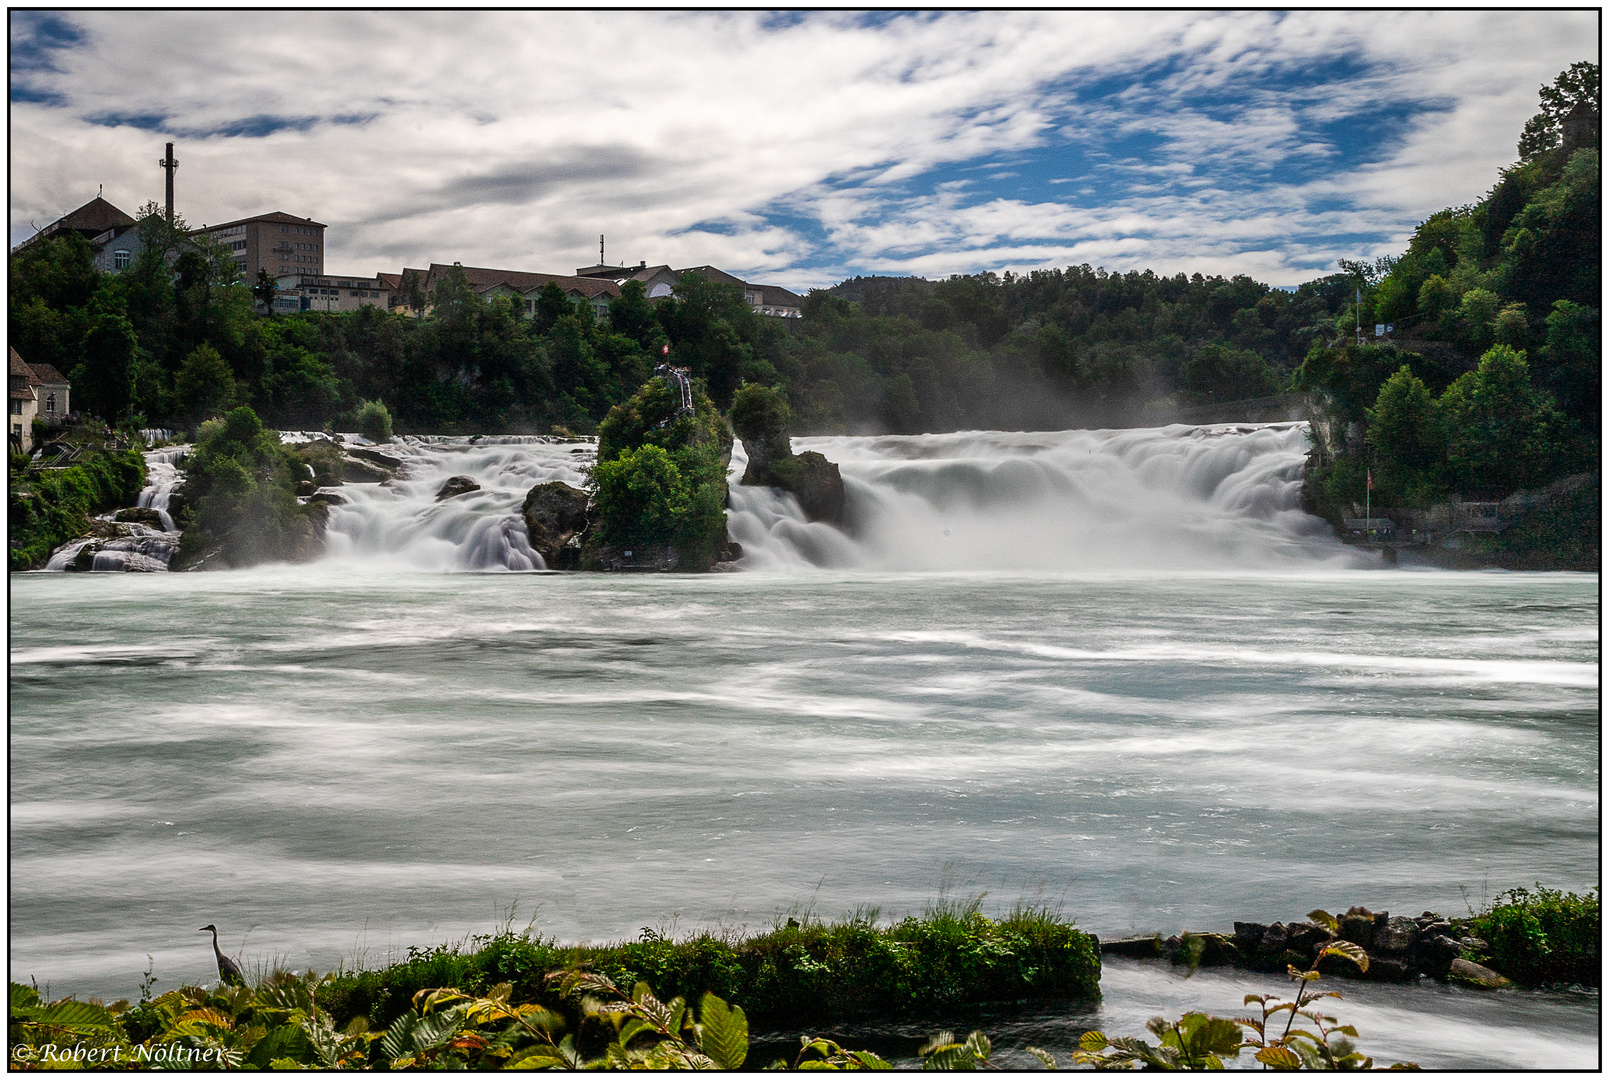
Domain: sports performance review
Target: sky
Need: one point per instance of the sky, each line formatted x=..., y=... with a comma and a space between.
x=796, y=148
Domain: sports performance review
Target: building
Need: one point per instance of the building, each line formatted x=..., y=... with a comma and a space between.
x=313, y=292
x=660, y=280
x=89, y=221
x=36, y=390
x=276, y=242
x=522, y=286
x=763, y=299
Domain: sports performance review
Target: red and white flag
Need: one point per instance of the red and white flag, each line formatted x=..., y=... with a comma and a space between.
x=1368, y=476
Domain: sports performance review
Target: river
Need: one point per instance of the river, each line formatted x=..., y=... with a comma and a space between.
x=1223, y=719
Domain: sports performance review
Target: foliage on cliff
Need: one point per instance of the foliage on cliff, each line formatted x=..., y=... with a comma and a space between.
x=659, y=484
x=1492, y=384
x=48, y=507
x=241, y=482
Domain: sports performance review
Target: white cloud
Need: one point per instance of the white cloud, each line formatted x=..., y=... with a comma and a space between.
x=798, y=153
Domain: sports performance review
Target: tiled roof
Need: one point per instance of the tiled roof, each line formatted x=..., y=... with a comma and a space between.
x=777, y=296
x=20, y=370
x=97, y=215
x=48, y=374
x=483, y=279
x=390, y=281
x=710, y=273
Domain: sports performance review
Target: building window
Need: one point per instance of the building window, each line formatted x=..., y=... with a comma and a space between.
x=50, y=402
x=120, y=259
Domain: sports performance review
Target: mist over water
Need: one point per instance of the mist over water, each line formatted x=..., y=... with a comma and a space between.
x=339, y=761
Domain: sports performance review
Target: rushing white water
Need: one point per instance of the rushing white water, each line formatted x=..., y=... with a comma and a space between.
x=1149, y=498
x=162, y=476
x=1157, y=498
x=401, y=524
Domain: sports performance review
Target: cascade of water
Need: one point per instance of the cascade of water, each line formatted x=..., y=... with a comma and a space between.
x=1177, y=497
x=401, y=523
x=162, y=477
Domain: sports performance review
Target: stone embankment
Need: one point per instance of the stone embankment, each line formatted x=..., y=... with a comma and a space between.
x=1400, y=949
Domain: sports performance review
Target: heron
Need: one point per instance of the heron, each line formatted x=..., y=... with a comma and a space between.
x=228, y=970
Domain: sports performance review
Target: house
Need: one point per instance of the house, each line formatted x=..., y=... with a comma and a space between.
x=89, y=221
x=37, y=390
x=522, y=286
x=278, y=242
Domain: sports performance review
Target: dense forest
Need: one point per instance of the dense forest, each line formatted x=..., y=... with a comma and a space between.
x=1489, y=380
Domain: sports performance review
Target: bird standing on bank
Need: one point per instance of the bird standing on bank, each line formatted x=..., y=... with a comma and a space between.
x=228, y=970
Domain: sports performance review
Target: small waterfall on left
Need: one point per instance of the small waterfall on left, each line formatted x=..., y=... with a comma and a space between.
x=132, y=546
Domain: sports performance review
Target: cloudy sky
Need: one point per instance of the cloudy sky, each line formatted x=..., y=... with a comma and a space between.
x=797, y=149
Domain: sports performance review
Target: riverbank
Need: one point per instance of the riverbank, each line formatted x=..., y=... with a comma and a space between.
x=873, y=987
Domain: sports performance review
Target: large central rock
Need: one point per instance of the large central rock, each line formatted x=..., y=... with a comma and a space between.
x=555, y=517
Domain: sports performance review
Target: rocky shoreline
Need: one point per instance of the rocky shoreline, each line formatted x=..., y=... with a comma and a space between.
x=1400, y=949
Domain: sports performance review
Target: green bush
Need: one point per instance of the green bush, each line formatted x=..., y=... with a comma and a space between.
x=242, y=482
x=1546, y=936
x=373, y=421
x=800, y=973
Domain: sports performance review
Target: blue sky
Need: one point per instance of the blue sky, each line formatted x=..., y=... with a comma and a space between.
x=799, y=148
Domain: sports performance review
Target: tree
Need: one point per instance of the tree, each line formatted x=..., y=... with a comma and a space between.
x=264, y=291
x=1503, y=432
x=104, y=383
x=204, y=385
x=1569, y=116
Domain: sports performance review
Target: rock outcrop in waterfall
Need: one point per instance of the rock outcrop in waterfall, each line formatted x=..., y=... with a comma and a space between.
x=760, y=417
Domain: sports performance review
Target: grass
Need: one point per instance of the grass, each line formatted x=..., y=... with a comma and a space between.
x=804, y=971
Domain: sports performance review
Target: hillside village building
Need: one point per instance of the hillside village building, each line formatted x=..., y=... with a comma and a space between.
x=36, y=390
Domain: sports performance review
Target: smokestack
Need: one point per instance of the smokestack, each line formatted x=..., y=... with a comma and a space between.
x=169, y=163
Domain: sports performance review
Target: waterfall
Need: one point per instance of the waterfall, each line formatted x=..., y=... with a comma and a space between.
x=162, y=477
x=400, y=524
x=1208, y=498
x=1176, y=498
x=137, y=547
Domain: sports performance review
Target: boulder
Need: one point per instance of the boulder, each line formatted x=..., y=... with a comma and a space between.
x=1139, y=948
x=142, y=515
x=1470, y=973
x=358, y=471
x=328, y=498
x=1400, y=935
x=730, y=551
x=1436, y=955
x=555, y=517
x=377, y=457
x=814, y=481
x=1216, y=949
x=455, y=486
x=1275, y=939
x=1249, y=936
x=177, y=503
x=306, y=487
x=1357, y=926
x=1391, y=969
x=1304, y=937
